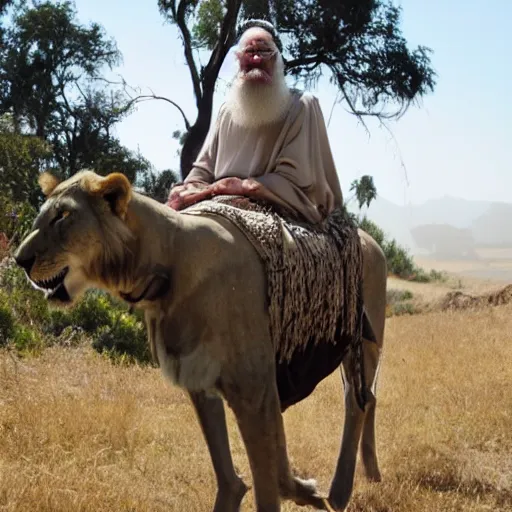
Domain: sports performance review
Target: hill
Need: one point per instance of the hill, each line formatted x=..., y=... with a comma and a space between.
x=485, y=221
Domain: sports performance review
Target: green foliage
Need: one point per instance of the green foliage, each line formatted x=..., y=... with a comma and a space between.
x=393, y=295
x=27, y=340
x=364, y=190
x=21, y=159
x=399, y=302
x=7, y=322
x=157, y=185
x=15, y=219
x=403, y=308
x=60, y=108
x=206, y=30
x=359, y=44
x=15, y=330
x=28, y=324
x=46, y=53
x=125, y=339
x=400, y=262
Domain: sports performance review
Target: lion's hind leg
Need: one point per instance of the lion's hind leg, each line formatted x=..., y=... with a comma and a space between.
x=358, y=424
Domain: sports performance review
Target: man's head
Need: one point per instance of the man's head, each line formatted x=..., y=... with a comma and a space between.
x=257, y=54
x=259, y=93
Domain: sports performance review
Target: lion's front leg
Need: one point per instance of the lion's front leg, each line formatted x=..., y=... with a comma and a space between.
x=230, y=487
x=256, y=414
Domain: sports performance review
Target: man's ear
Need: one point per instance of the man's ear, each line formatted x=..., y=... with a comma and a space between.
x=115, y=189
x=47, y=182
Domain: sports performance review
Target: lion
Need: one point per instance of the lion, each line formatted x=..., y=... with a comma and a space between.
x=202, y=288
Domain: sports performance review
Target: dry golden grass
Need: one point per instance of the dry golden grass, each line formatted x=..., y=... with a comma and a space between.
x=493, y=264
x=78, y=434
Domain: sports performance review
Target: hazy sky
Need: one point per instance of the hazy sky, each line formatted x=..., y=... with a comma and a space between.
x=457, y=143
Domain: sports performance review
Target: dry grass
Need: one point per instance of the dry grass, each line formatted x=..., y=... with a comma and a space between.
x=78, y=434
x=492, y=264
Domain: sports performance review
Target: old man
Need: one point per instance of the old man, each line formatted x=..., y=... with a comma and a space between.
x=269, y=141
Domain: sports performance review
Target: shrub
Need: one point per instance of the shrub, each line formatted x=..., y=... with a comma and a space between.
x=373, y=230
x=27, y=340
x=404, y=308
x=29, y=324
x=399, y=302
x=400, y=262
x=7, y=323
x=126, y=338
x=393, y=296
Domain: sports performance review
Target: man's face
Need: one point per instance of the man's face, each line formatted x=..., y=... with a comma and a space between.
x=257, y=56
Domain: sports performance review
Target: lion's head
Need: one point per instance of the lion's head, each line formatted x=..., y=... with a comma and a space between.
x=79, y=234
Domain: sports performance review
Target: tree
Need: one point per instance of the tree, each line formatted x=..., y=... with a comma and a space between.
x=364, y=190
x=21, y=159
x=357, y=42
x=157, y=185
x=51, y=85
x=46, y=57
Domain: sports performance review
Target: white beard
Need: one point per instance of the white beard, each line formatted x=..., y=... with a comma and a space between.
x=255, y=104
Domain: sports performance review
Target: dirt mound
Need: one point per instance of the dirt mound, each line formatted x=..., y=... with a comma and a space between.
x=460, y=300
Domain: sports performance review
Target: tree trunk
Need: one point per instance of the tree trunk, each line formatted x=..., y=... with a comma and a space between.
x=257, y=9
x=191, y=147
x=197, y=133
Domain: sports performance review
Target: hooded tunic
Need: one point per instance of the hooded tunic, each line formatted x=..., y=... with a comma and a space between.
x=291, y=157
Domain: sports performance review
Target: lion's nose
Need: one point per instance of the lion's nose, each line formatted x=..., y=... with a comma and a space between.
x=27, y=263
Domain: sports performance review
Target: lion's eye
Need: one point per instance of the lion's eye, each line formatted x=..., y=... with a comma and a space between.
x=60, y=215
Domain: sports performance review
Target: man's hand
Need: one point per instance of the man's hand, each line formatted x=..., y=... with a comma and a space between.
x=228, y=186
x=238, y=187
x=184, y=195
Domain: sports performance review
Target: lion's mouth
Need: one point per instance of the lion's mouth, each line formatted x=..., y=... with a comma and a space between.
x=54, y=286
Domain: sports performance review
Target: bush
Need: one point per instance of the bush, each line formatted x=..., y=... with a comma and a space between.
x=7, y=324
x=393, y=296
x=399, y=302
x=126, y=339
x=400, y=262
x=27, y=340
x=29, y=324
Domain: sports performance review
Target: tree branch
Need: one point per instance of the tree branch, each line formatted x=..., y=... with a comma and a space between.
x=352, y=107
x=302, y=61
x=179, y=16
x=225, y=41
x=146, y=97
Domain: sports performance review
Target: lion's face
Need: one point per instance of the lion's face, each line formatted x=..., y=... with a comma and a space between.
x=78, y=223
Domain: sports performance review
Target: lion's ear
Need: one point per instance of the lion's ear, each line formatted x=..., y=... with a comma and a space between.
x=47, y=182
x=115, y=188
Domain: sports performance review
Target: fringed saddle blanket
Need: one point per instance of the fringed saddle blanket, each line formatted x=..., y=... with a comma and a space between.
x=314, y=287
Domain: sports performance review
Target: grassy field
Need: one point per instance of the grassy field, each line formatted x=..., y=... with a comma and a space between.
x=492, y=264
x=79, y=434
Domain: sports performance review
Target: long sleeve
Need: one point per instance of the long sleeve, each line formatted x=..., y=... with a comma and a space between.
x=203, y=168
x=292, y=159
x=304, y=175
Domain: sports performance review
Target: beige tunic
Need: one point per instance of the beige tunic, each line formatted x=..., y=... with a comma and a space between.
x=292, y=158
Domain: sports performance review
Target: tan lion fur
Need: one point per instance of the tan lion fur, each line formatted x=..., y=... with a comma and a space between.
x=209, y=330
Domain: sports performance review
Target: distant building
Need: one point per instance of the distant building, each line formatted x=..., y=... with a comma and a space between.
x=445, y=241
